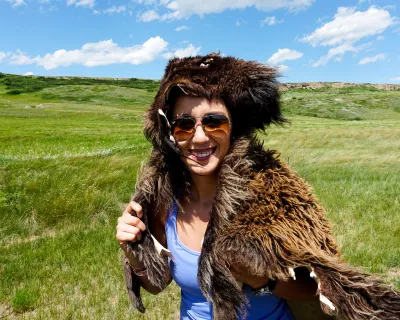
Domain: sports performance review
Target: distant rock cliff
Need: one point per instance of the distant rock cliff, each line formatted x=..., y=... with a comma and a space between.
x=282, y=86
x=317, y=85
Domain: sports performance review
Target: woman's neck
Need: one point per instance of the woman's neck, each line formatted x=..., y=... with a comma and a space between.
x=203, y=188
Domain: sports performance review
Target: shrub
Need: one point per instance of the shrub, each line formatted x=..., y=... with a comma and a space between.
x=14, y=91
x=25, y=299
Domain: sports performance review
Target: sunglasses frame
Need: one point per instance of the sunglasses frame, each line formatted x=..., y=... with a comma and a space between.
x=207, y=132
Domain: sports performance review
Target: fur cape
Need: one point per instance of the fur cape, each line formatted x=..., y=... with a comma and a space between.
x=263, y=216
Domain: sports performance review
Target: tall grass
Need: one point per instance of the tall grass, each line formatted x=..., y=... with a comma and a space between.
x=348, y=103
x=17, y=84
x=67, y=169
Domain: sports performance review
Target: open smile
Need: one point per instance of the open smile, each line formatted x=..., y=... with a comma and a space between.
x=202, y=154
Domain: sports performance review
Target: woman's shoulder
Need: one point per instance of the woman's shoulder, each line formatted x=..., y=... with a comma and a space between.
x=158, y=220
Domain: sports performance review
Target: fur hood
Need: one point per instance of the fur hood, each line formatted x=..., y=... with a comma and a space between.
x=248, y=89
x=263, y=216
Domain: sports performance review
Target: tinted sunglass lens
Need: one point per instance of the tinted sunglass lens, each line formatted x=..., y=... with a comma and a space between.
x=216, y=122
x=182, y=135
x=183, y=128
x=186, y=124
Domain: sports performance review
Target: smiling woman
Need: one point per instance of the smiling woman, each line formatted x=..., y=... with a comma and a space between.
x=235, y=227
x=202, y=129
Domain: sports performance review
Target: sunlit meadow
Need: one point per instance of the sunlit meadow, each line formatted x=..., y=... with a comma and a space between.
x=70, y=150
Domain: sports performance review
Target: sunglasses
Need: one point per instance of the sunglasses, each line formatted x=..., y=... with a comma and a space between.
x=215, y=125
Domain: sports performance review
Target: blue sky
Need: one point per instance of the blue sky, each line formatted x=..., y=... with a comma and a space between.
x=309, y=40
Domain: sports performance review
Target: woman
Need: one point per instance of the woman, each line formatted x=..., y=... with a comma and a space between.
x=204, y=150
x=227, y=210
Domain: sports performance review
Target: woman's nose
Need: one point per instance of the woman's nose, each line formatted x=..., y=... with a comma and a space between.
x=199, y=135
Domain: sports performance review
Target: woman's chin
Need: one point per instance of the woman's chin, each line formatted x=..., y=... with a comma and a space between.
x=203, y=168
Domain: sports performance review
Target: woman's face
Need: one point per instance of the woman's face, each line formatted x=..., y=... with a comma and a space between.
x=204, y=151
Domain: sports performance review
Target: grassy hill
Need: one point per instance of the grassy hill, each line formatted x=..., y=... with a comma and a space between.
x=70, y=150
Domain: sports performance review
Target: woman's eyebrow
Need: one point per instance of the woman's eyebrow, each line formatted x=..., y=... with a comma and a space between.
x=183, y=114
x=215, y=112
x=180, y=115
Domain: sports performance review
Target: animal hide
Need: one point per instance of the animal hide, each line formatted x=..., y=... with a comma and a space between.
x=264, y=215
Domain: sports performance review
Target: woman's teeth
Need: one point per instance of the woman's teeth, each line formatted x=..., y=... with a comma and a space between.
x=203, y=154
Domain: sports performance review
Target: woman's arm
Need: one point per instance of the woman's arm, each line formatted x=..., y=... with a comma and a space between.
x=129, y=229
x=144, y=281
x=303, y=288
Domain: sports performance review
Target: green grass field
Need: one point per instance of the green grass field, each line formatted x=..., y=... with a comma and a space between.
x=69, y=155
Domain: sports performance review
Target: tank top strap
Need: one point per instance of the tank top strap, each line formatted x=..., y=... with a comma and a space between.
x=170, y=223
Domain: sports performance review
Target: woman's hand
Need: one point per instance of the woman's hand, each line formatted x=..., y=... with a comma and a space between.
x=129, y=228
x=242, y=274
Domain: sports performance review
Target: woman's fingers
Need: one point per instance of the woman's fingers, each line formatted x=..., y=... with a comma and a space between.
x=129, y=227
x=126, y=232
x=128, y=219
x=134, y=206
x=127, y=236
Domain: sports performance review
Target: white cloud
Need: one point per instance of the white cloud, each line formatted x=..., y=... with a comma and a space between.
x=148, y=16
x=240, y=22
x=390, y=7
x=28, y=74
x=189, y=51
x=349, y=26
x=50, y=8
x=395, y=79
x=115, y=9
x=376, y=58
x=2, y=55
x=145, y=2
x=81, y=3
x=16, y=3
x=284, y=54
x=181, y=28
x=271, y=21
x=96, y=54
x=20, y=58
x=44, y=1
x=283, y=68
x=380, y=38
x=182, y=9
x=339, y=52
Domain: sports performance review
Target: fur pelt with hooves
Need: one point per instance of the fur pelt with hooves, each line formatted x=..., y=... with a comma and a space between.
x=264, y=215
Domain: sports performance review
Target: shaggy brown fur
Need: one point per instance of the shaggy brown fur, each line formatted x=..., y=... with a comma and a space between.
x=263, y=216
x=282, y=226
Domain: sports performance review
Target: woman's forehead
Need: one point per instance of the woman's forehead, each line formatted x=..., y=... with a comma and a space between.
x=198, y=106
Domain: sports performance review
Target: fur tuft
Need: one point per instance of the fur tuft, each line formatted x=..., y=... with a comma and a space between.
x=357, y=295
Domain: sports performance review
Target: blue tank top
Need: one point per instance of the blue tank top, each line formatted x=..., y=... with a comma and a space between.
x=193, y=303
